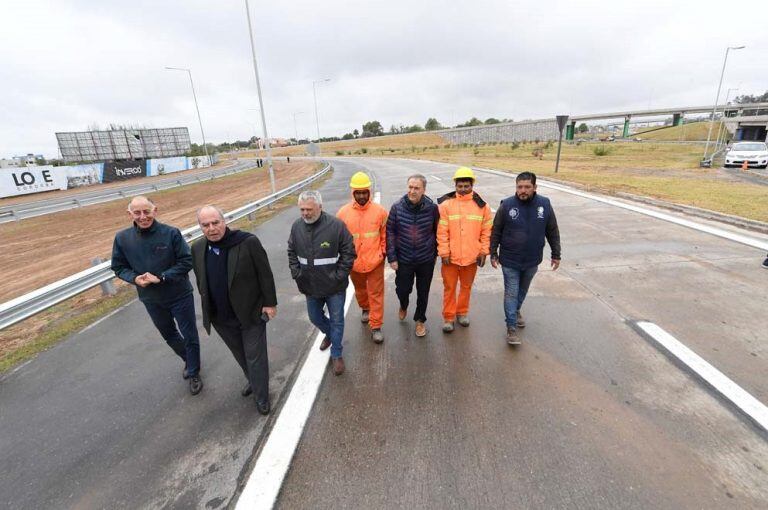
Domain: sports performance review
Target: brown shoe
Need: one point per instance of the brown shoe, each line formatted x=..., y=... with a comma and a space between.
x=338, y=366
x=512, y=338
x=421, y=329
x=520, y=321
x=401, y=314
x=325, y=343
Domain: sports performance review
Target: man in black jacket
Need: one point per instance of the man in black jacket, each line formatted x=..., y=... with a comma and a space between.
x=521, y=224
x=237, y=293
x=412, y=247
x=155, y=258
x=320, y=254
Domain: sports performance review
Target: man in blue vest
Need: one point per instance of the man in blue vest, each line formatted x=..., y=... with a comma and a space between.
x=521, y=225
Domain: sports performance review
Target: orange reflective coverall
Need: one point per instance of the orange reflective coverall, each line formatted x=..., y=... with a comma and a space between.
x=463, y=234
x=368, y=226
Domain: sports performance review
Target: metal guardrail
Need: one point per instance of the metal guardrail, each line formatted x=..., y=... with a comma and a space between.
x=40, y=207
x=25, y=306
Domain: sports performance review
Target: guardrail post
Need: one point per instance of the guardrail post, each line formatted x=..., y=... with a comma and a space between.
x=107, y=288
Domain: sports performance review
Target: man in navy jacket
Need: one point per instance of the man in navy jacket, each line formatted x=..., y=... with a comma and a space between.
x=412, y=247
x=155, y=258
x=521, y=224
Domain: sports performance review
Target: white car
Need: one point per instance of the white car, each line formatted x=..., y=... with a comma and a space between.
x=754, y=153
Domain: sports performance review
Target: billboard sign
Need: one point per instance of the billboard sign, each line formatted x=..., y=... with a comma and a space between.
x=31, y=179
x=123, y=170
x=119, y=144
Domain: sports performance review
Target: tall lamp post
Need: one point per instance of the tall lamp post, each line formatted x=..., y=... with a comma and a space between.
x=261, y=102
x=721, y=128
x=717, y=98
x=314, y=93
x=296, y=129
x=194, y=96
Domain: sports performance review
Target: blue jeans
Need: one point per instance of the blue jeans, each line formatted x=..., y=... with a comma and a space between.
x=185, y=343
x=333, y=326
x=516, y=283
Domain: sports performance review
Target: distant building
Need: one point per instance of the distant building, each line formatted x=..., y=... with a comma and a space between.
x=17, y=161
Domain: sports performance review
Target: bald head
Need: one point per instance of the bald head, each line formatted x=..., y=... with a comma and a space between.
x=212, y=222
x=142, y=211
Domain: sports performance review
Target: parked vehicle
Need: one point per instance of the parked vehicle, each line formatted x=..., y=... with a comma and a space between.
x=754, y=153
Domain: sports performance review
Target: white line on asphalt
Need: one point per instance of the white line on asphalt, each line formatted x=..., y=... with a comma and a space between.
x=263, y=485
x=436, y=177
x=110, y=314
x=732, y=236
x=748, y=404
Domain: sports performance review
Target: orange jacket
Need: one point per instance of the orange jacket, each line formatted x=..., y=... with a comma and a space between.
x=464, y=230
x=368, y=226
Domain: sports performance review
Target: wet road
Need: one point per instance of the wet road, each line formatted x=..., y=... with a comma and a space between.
x=104, y=419
x=586, y=414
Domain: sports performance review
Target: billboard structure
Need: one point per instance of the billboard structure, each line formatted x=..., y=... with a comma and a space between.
x=122, y=144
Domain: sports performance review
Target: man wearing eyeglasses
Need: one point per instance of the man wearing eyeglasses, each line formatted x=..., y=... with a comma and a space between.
x=155, y=258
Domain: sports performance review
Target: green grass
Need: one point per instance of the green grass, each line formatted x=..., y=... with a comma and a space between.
x=664, y=171
x=60, y=328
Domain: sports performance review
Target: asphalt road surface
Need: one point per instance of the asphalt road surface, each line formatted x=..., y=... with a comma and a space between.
x=104, y=419
x=586, y=414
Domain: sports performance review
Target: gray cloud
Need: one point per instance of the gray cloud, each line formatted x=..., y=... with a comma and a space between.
x=68, y=64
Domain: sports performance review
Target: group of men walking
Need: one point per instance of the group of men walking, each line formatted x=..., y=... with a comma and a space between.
x=325, y=252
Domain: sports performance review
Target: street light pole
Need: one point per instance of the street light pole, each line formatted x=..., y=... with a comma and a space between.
x=314, y=93
x=717, y=97
x=261, y=102
x=197, y=108
x=296, y=129
x=721, y=128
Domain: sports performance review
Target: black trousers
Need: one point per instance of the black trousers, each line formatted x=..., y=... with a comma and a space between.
x=404, y=285
x=249, y=347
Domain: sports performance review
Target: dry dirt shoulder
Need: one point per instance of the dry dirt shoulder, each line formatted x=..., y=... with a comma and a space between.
x=41, y=250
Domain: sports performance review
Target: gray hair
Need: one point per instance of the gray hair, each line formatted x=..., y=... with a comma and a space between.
x=311, y=194
x=210, y=206
x=419, y=177
x=140, y=197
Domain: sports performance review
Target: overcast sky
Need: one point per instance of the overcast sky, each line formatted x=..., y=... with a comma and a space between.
x=68, y=64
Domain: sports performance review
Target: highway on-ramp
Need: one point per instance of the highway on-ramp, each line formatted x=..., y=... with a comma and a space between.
x=585, y=414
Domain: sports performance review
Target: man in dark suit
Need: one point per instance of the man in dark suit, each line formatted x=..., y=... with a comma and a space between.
x=237, y=292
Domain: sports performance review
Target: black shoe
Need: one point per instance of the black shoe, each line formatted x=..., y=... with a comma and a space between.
x=247, y=390
x=263, y=407
x=765, y=263
x=195, y=384
x=185, y=374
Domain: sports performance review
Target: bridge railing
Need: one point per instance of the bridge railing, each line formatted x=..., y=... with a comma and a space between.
x=22, y=307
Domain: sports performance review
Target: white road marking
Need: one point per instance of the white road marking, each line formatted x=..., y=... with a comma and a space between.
x=436, y=178
x=725, y=234
x=748, y=404
x=266, y=479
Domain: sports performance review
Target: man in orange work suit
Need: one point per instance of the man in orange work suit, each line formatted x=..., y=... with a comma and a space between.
x=463, y=243
x=367, y=222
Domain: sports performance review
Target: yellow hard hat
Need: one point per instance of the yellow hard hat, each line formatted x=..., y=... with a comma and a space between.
x=360, y=181
x=464, y=173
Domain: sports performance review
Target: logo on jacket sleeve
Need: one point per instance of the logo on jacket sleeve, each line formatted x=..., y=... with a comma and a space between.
x=325, y=244
x=514, y=213
x=540, y=212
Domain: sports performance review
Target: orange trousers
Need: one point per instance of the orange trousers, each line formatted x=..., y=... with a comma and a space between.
x=464, y=276
x=369, y=291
